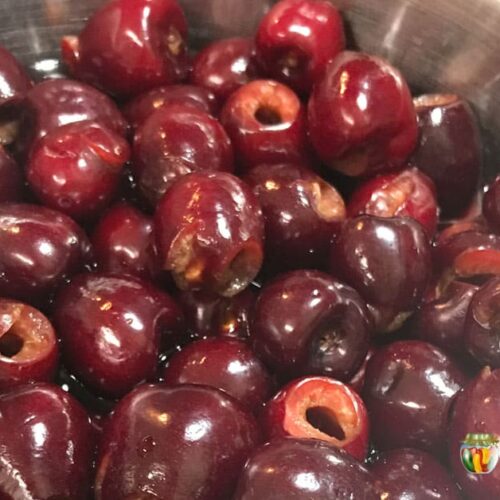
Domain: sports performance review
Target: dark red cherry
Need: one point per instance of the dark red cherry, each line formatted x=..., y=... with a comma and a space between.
x=491, y=205
x=11, y=178
x=296, y=39
x=47, y=445
x=302, y=214
x=449, y=149
x=130, y=46
x=174, y=141
x=297, y=469
x=209, y=230
x=77, y=168
x=267, y=124
x=409, y=387
x=15, y=80
x=357, y=381
x=408, y=193
x=138, y=110
x=28, y=345
x=122, y=242
x=112, y=328
x=226, y=364
x=361, y=115
x=39, y=249
x=183, y=442
x=307, y=323
x=224, y=66
x=408, y=473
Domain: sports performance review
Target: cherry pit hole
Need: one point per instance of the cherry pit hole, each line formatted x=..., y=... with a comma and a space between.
x=325, y=421
x=10, y=344
x=267, y=116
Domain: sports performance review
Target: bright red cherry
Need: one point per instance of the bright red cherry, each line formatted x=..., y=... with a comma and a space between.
x=15, y=80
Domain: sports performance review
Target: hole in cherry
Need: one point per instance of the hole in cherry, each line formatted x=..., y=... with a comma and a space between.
x=325, y=420
x=267, y=116
x=10, y=344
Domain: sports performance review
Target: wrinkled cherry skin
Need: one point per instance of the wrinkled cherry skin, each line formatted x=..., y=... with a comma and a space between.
x=412, y=474
x=448, y=150
x=28, y=345
x=296, y=39
x=138, y=110
x=112, y=329
x=388, y=261
x=11, y=178
x=409, y=387
x=14, y=78
x=319, y=408
x=361, y=115
x=279, y=470
x=123, y=243
x=408, y=193
x=130, y=46
x=307, y=323
x=39, y=249
x=266, y=123
x=224, y=66
x=174, y=141
x=476, y=410
x=302, y=214
x=209, y=231
x=196, y=438
x=76, y=169
x=226, y=364
x=491, y=205
x=47, y=444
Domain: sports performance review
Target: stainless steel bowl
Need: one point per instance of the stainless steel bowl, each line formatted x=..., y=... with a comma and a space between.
x=440, y=45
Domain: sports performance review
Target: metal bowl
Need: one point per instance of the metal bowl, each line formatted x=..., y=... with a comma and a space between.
x=440, y=45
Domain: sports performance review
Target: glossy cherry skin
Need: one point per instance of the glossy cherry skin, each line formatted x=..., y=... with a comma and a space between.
x=307, y=323
x=303, y=468
x=139, y=109
x=302, y=214
x=224, y=66
x=319, y=408
x=410, y=474
x=11, y=178
x=388, y=261
x=28, y=345
x=130, y=46
x=76, y=169
x=408, y=193
x=361, y=115
x=177, y=445
x=296, y=39
x=357, y=381
x=122, y=242
x=266, y=123
x=112, y=328
x=226, y=364
x=47, y=444
x=476, y=410
x=448, y=150
x=174, y=141
x=39, y=249
x=209, y=231
x=409, y=387
x=491, y=205
x=15, y=80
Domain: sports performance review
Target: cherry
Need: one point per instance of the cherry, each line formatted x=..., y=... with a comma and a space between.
x=361, y=116
x=77, y=168
x=209, y=230
x=408, y=193
x=112, y=327
x=15, y=80
x=302, y=214
x=182, y=442
x=357, y=381
x=174, y=141
x=267, y=124
x=224, y=66
x=449, y=149
x=388, y=261
x=296, y=39
x=39, y=249
x=28, y=345
x=130, y=46
x=409, y=387
x=491, y=205
x=307, y=323
x=47, y=444
x=303, y=468
x=319, y=408
x=11, y=178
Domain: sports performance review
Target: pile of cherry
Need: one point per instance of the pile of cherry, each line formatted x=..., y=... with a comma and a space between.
x=228, y=280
